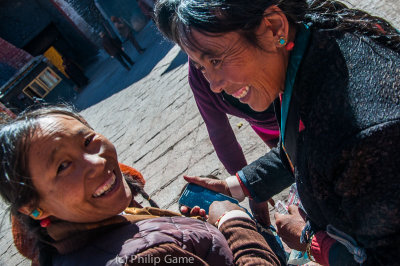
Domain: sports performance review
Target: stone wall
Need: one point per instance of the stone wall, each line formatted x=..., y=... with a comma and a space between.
x=11, y=59
x=85, y=15
x=21, y=21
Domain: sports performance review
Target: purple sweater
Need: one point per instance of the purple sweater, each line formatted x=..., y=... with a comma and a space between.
x=123, y=243
x=214, y=109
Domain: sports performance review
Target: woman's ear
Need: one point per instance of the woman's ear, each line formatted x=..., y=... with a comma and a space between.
x=34, y=213
x=276, y=21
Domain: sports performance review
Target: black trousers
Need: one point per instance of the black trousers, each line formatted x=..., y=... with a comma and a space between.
x=120, y=57
x=135, y=43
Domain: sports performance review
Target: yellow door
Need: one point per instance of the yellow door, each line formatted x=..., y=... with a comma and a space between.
x=55, y=58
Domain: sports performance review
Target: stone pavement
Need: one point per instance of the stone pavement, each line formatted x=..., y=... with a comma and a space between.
x=151, y=117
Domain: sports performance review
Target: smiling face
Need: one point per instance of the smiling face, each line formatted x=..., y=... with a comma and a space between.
x=75, y=171
x=253, y=75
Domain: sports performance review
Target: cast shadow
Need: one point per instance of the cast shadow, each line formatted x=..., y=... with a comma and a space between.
x=107, y=76
x=180, y=59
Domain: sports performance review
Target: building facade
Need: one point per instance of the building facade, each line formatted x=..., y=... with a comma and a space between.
x=38, y=37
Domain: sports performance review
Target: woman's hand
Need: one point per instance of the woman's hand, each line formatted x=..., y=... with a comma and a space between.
x=290, y=226
x=219, y=208
x=216, y=185
x=195, y=211
x=260, y=211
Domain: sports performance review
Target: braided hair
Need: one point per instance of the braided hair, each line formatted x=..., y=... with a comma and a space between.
x=138, y=188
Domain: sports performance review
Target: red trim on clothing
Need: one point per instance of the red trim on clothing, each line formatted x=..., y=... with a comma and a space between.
x=301, y=126
x=266, y=134
x=320, y=245
x=244, y=188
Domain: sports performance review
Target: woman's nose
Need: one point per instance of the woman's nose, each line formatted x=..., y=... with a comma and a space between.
x=95, y=165
x=217, y=82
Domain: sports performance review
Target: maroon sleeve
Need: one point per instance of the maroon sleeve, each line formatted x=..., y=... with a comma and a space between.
x=219, y=130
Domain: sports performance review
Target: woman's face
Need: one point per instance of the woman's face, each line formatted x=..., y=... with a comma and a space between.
x=75, y=171
x=254, y=76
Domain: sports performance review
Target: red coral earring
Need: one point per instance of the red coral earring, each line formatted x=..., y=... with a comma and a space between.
x=289, y=46
x=45, y=222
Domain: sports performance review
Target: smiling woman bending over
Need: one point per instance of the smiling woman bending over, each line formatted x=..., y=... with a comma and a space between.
x=333, y=75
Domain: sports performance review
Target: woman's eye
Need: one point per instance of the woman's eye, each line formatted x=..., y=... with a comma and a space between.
x=63, y=166
x=202, y=69
x=199, y=67
x=215, y=62
x=88, y=140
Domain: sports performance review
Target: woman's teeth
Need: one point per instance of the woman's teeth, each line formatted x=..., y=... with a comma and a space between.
x=106, y=187
x=241, y=93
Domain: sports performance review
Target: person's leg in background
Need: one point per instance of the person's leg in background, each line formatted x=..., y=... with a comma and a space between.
x=127, y=58
x=135, y=43
x=121, y=60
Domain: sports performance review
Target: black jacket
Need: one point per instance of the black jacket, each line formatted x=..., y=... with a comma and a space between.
x=347, y=160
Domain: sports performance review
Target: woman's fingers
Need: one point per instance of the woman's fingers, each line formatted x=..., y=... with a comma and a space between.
x=260, y=212
x=293, y=209
x=289, y=227
x=202, y=213
x=195, y=211
x=278, y=218
x=216, y=185
x=184, y=209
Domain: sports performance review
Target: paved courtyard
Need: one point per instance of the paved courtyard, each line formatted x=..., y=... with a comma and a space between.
x=151, y=117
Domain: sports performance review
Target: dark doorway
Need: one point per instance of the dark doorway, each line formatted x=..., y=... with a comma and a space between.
x=48, y=37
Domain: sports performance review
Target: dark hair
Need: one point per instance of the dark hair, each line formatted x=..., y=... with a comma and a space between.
x=138, y=188
x=177, y=18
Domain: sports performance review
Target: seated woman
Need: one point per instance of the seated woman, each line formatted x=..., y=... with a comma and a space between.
x=62, y=180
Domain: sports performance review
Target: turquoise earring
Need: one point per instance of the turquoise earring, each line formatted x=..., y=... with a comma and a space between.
x=282, y=41
x=36, y=213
